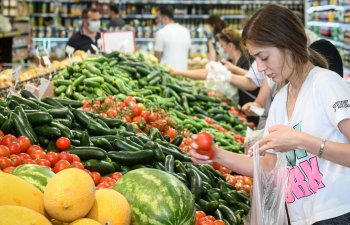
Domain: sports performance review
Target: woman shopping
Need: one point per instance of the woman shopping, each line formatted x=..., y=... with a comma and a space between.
x=309, y=120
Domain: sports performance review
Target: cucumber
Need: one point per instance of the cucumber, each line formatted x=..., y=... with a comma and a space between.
x=53, y=102
x=85, y=139
x=228, y=214
x=64, y=130
x=103, y=143
x=208, y=207
x=132, y=158
x=47, y=131
x=68, y=102
x=86, y=153
x=101, y=166
x=59, y=113
x=177, y=140
x=39, y=118
x=195, y=183
x=65, y=122
x=120, y=145
x=169, y=163
x=27, y=94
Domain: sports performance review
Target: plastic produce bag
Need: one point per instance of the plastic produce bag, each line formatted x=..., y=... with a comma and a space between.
x=218, y=80
x=269, y=191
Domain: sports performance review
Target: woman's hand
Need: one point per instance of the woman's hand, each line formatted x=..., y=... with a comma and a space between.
x=281, y=138
x=173, y=71
x=247, y=108
x=231, y=67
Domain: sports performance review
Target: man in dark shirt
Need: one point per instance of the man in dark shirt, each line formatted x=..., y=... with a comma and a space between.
x=116, y=22
x=89, y=35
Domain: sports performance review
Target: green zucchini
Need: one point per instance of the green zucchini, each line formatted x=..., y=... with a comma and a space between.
x=39, y=118
x=86, y=153
x=101, y=166
x=132, y=158
x=47, y=131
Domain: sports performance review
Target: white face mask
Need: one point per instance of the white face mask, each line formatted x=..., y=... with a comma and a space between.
x=222, y=53
x=94, y=26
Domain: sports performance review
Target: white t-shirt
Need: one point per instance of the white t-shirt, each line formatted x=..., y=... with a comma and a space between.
x=318, y=189
x=174, y=41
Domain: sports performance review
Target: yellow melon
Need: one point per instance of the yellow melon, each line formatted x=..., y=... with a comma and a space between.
x=85, y=221
x=69, y=195
x=16, y=191
x=15, y=215
x=110, y=208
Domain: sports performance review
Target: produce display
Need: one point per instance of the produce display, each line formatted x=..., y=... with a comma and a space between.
x=128, y=124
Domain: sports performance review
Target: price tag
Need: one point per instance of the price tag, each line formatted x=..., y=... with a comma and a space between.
x=69, y=50
x=94, y=47
x=45, y=88
x=47, y=61
x=32, y=88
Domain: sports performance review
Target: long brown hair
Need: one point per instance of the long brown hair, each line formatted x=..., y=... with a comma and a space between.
x=277, y=26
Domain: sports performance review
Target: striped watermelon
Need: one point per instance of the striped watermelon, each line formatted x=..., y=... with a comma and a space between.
x=34, y=174
x=157, y=198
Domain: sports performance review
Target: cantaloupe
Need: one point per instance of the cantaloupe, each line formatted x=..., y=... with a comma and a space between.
x=85, y=221
x=16, y=191
x=69, y=195
x=110, y=208
x=19, y=215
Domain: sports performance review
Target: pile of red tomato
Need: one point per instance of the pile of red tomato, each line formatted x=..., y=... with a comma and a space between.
x=132, y=112
x=203, y=219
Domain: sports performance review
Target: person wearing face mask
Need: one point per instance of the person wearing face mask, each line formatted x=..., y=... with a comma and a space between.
x=89, y=36
x=236, y=62
x=215, y=26
x=173, y=41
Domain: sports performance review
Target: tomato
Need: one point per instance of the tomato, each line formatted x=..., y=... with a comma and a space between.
x=210, y=218
x=129, y=100
x=206, y=222
x=61, y=165
x=8, y=169
x=247, y=181
x=102, y=186
x=121, y=104
x=171, y=132
x=138, y=119
x=112, y=183
x=127, y=119
x=15, y=160
x=105, y=179
x=28, y=161
x=239, y=186
x=75, y=158
x=7, y=139
x=4, y=150
x=52, y=157
x=204, y=141
x=43, y=162
x=145, y=115
x=136, y=110
x=1, y=133
x=24, y=142
x=161, y=125
x=117, y=175
x=96, y=176
x=152, y=117
x=24, y=156
x=14, y=147
x=199, y=215
x=33, y=148
x=66, y=156
x=219, y=222
x=78, y=165
x=37, y=154
x=5, y=162
x=62, y=143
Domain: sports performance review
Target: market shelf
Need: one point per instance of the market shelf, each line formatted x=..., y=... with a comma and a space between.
x=42, y=14
x=20, y=46
x=152, y=39
x=328, y=24
x=206, y=2
x=69, y=16
x=13, y=34
x=328, y=7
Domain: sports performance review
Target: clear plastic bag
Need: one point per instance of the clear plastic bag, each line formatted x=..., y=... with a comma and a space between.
x=269, y=191
x=218, y=80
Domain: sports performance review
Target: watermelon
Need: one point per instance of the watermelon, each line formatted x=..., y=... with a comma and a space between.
x=34, y=174
x=157, y=198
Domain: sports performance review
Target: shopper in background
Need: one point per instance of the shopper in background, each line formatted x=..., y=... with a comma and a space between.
x=309, y=119
x=215, y=26
x=116, y=22
x=173, y=41
x=88, y=37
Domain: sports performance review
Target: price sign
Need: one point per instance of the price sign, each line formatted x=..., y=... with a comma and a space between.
x=123, y=41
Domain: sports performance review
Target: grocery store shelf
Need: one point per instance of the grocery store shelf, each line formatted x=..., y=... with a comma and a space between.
x=202, y=16
x=13, y=34
x=328, y=7
x=42, y=14
x=138, y=16
x=194, y=40
x=21, y=19
x=69, y=16
x=20, y=46
x=328, y=24
x=54, y=39
x=207, y=2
